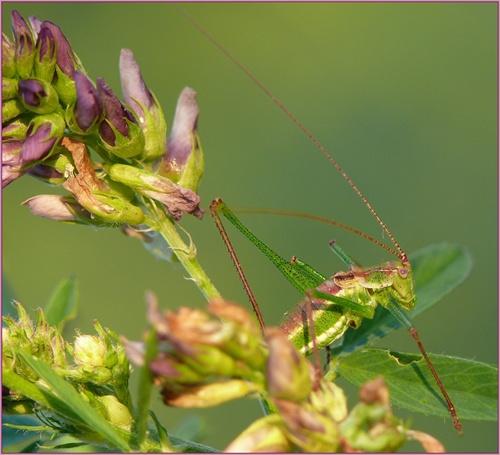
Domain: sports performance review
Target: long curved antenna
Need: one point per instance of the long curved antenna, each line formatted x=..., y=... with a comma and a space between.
x=310, y=216
x=402, y=255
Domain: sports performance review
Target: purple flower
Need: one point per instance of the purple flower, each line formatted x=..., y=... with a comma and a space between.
x=38, y=143
x=183, y=161
x=12, y=163
x=31, y=92
x=35, y=24
x=134, y=89
x=38, y=96
x=42, y=136
x=180, y=142
x=25, y=44
x=67, y=61
x=46, y=55
x=115, y=113
x=88, y=107
x=142, y=101
x=53, y=207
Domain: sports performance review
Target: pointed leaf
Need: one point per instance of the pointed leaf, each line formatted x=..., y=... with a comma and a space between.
x=437, y=270
x=472, y=386
x=63, y=303
x=64, y=399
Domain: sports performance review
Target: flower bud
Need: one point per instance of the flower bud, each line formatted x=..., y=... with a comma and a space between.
x=25, y=45
x=115, y=412
x=41, y=341
x=100, y=359
x=38, y=96
x=58, y=208
x=67, y=62
x=8, y=57
x=310, y=430
x=330, y=400
x=46, y=53
x=183, y=161
x=176, y=199
x=42, y=137
x=266, y=435
x=287, y=371
x=89, y=351
x=12, y=163
x=83, y=116
x=371, y=426
x=119, y=132
x=35, y=24
x=206, y=395
x=145, y=105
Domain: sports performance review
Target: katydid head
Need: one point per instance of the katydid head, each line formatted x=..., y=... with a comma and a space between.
x=402, y=286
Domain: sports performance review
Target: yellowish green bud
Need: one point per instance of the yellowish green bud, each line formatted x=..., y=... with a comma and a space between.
x=207, y=395
x=89, y=351
x=116, y=413
x=266, y=435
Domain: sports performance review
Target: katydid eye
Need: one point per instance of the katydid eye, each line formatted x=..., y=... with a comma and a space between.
x=403, y=272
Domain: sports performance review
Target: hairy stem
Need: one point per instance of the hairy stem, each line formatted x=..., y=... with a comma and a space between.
x=185, y=253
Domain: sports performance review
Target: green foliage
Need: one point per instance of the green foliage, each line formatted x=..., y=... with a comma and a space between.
x=472, y=385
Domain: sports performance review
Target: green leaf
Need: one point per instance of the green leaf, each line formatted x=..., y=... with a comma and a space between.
x=471, y=385
x=65, y=400
x=63, y=303
x=437, y=270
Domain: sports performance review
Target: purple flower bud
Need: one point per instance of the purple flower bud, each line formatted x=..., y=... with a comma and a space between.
x=180, y=141
x=8, y=57
x=134, y=89
x=38, y=143
x=38, y=96
x=31, y=92
x=12, y=163
x=183, y=162
x=115, y=113
x=42, y=136
x=47, y=174
x=88, y=107
x=46, y=55
x=67, y=61
x=53, y=207
x=143, y=102
x=35, y=24
x=25, y=44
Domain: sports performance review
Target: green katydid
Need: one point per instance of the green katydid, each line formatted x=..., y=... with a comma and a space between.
x=346, y=298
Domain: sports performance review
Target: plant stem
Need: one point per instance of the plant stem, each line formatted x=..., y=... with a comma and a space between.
x=185, y=253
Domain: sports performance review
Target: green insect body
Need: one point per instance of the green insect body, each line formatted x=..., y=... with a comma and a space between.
x=358, y=289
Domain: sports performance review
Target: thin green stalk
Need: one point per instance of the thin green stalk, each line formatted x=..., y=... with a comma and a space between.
x=185, y=253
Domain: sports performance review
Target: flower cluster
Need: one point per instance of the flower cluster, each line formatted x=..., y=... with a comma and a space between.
x=96, y=366
x=53, y=114
x=205, y=358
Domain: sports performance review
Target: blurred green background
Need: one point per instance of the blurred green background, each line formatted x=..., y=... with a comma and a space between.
x=404, y=96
